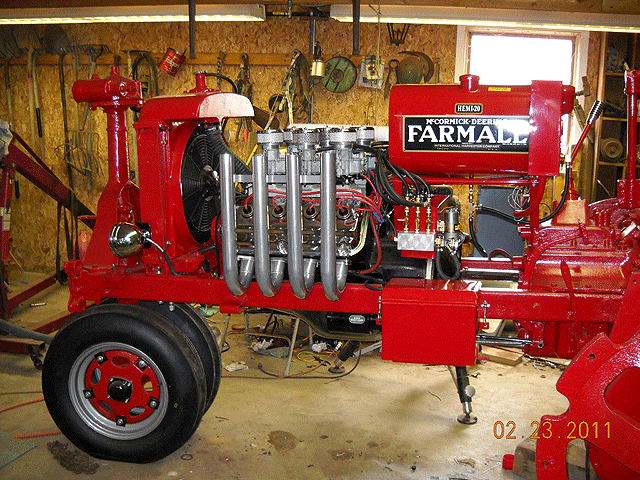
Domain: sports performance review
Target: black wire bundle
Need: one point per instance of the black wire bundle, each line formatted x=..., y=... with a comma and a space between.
x=517, y=221
x=413, y=186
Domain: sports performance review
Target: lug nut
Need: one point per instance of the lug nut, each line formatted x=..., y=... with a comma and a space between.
x=121, y=421
x=142, y=364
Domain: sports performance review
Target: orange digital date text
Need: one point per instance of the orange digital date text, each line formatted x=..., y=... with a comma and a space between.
x=573, y=431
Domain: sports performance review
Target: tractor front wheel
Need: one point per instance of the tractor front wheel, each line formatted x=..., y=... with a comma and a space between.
x=124, y=383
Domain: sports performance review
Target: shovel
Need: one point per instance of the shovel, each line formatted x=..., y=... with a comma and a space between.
x=8, y=50
x=28, y=42
x=56, y=42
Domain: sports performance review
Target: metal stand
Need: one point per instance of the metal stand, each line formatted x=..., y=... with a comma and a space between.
x=465, y=392
x=292, y=341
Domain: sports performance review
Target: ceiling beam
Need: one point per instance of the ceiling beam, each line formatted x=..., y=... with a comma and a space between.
x=630, y=7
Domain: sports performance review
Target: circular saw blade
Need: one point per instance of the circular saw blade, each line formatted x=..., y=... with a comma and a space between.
x=340, y=75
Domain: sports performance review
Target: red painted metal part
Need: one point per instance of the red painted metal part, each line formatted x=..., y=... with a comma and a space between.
x=602, y=387
x=119, y=201
x=542, y=104
x=122, y=365
x=23, y=159
x=29, y=165
x=163, y=129
x=577, y=277
x=602, y=383
x=428, y=338
x=86, y=285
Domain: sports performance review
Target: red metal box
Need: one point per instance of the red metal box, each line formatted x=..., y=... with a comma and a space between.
x=429, y=321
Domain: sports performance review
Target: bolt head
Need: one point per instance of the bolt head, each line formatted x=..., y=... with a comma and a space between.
x=142, y=364
x=153, y=404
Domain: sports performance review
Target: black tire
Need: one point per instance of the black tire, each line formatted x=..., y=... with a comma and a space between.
x=187, y=319
x=123, y=383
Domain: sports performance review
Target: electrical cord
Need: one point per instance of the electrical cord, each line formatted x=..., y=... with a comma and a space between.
x=303, y=376
x=551, y=216
x=474, y=238
x=22, y=404
x=378, y=248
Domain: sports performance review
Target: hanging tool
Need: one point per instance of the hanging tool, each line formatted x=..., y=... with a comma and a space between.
x=8, y=49
x=411, y=70
x=86, y=125
x=397, y=36
x=245, y=88
x=56, y=42
x=149, y=81
x=28, y=42
x=340, y=76
x=317, y=65
x=221, y=56
x=393, y=70
x=277, y=103
x=302, y=94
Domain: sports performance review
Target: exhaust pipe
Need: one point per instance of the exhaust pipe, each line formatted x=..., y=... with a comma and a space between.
x=237, y=283
x=269, y=273
x=333, y=272
x=302, y=271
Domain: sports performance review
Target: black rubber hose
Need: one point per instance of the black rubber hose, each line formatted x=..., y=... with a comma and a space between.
x=387, y=191
x=474, y=238
x=219, y=146
x=154, y=70
x=563, y=199
x=454, y=260
x=499, y=214
x=512, y=219
x=223, y=77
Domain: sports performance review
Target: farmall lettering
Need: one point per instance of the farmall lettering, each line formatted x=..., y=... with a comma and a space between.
x=466, y=134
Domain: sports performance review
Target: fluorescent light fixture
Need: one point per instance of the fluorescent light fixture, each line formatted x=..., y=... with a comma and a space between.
x=491, y=17
x=149, y=13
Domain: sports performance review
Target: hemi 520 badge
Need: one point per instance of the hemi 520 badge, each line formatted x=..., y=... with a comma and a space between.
x=466, y=134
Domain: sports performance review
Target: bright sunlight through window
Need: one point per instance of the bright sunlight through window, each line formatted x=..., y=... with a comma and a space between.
x=516, y=60
x=503, y=59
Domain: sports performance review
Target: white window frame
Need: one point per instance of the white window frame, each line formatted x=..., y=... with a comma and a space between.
x=581, y=54
x=580, y=39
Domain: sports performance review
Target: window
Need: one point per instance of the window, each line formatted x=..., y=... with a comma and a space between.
x=512, y=57
x=516, y=60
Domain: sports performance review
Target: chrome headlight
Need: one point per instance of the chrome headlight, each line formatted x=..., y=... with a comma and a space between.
x=127, y=239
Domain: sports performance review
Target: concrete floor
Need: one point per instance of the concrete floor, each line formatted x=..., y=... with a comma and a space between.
x=384, y=421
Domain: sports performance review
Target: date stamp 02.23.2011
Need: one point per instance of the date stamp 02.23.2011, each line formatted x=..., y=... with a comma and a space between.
x=573, y=430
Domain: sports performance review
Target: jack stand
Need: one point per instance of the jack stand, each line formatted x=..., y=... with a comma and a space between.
x=465, y=392
x=345, y=352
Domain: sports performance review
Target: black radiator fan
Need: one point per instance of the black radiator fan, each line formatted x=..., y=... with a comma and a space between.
x=200, y=179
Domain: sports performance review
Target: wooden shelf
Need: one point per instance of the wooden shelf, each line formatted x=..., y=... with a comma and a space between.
x=268, y=59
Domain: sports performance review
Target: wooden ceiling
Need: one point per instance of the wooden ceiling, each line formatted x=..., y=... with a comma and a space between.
x=631, y=7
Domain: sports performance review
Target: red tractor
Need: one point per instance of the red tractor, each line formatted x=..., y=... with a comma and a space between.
x=359, y=238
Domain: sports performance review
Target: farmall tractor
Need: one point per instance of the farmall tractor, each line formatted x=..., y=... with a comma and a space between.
x=358, y=238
